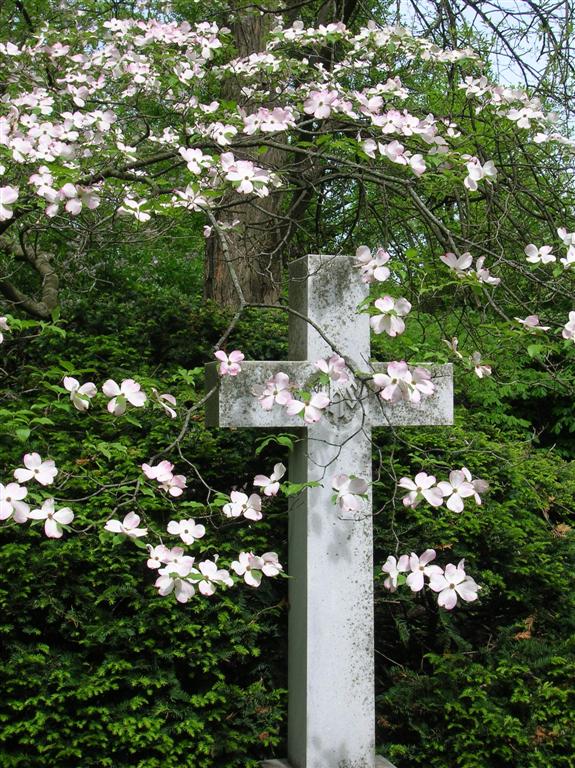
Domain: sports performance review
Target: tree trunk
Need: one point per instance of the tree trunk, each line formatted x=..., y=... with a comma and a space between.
x=252, y=250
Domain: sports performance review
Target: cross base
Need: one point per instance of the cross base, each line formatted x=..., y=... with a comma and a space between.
x=380, y=762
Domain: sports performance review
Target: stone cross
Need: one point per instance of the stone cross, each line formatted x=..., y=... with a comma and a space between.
x=331, y=712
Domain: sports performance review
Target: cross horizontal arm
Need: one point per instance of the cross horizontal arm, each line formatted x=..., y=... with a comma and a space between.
x=233, y=403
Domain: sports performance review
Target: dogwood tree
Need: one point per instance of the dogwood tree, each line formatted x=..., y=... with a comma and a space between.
x=366, y=137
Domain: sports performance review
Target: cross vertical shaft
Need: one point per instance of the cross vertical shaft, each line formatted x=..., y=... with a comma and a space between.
x=331, y=676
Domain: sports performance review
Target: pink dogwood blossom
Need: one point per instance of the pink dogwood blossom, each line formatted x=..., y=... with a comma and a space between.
x=453, y=583
x=8, y=196
x=80, y=394
x=424, y=486
x=456, y=489
x=128, y=527
x=271, y=484
x=230, y=364
x=568, y=331
x=276, y=390
x=160, y=472
x=350, y=491
x=390, y=319
x=128, y=392
x=3, y=327
x=54, y=518
x=43, y=472
x=312, y=411
x=250, y=507
x=541, y=255
x=334, y=367
x=459, y=264
x=11, y=503
x=163, y=400
x=401, y=383
x=372, y=268
x=531, y=323
x=212, y=576
x=393, y=568
x=188, y=530
x=419, y=567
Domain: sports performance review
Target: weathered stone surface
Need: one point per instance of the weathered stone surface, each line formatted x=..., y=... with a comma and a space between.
x=380, y=762
x=234, y=405
x=330, y=671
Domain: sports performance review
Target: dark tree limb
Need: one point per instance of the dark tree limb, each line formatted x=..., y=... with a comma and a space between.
x=41, y=262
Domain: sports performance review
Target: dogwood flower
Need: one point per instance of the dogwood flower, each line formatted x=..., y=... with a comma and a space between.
x=55, y=519
x=419, y=567
x=271, y=484
x=250, y=567
x=393, y=568
x=80, y=395
x=568, y=331
x=453, y=344
x=568, y=261
x=456, y=489
x=372, y=268
x=8, y=196
x=453, y=583
x=567, y=238
x=174, y=485
x=400, y=383
x=271, y=565
x=312, y=411
x=276, y=390
x=212, y=575
x=127, y=392
x=187, y=530
x=157, y=556
x=334, y=367
x=390, y=318
x=531, y=323
x=459, y=264
x=483, y=274
x=167, y=583
x=349, y=492
x=479, y=485
x=422, y=487
x=163, y=400
x=240, y=504
x=3, y=327
x=476, y=171
x=43, y=472
x=178, y=562
x=161, y=472
x=320, y=103
x=480, y=369
x=129, y=526
x=537, y=255
x=230, y=364
x=11, y=503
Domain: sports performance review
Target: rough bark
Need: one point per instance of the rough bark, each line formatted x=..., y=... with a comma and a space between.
x=42, y=263
x=251, y=248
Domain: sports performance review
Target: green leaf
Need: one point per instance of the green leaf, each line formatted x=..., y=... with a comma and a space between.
x=22, y=433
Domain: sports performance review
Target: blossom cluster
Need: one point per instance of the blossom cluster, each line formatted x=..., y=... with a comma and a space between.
x=462, y=266
x=12, y=495
x=450, y=583
x=460, y=485
x=402, y=383
x=278, y=390
x=163, y=474
x=129, y=391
